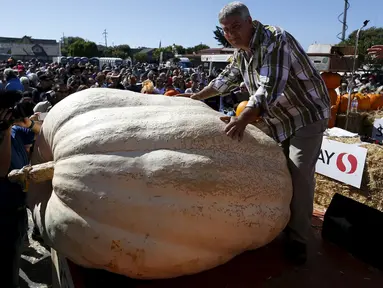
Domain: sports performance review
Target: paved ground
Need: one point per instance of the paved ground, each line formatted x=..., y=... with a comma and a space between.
x=36, y=271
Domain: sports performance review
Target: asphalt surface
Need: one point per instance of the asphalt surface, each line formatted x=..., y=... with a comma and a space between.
x=36, y=268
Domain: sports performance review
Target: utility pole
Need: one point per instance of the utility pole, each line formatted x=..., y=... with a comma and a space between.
x=105, y=33
x=346, y=6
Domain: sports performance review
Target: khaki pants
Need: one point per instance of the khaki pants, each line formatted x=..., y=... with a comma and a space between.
x=302, y=151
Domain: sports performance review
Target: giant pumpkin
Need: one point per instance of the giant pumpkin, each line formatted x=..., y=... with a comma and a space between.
x=332, y=80
x=151, y=187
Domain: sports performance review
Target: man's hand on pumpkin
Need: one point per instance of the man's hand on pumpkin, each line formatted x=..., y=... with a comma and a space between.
x=235, y=127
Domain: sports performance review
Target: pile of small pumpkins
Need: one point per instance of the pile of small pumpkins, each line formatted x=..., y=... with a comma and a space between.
x=339, y=103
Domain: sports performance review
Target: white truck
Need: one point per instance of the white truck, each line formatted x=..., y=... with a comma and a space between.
x=217, y=61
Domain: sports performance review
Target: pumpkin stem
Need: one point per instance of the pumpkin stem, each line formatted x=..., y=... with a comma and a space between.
x=36, y=173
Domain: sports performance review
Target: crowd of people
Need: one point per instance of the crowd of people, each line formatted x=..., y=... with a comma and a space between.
x=363, y=83
x=45, y=84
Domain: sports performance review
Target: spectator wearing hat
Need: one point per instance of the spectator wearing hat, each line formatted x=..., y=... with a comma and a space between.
x=13, y=82
x=20, y=70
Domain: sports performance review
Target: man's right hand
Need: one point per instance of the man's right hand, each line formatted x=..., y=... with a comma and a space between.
x=205, y=93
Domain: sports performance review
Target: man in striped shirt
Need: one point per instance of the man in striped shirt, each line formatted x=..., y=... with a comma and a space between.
x=290, y=95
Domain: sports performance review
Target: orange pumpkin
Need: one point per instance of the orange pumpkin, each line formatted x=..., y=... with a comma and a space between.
x=376, y=101
x=171, y=93
x=343, y=103
x=334, y=112
x=333, y=96
x=241, y=106
x=332, y=80
x=364, y=103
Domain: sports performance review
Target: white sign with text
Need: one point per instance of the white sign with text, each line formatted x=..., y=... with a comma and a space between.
x=377, y=130
x=342, y=162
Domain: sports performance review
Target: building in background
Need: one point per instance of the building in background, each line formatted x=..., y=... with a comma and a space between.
x=27, y=48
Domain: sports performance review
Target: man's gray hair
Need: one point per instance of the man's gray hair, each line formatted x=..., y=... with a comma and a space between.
x=234, y=9
x=9, y=74
x=24, y=80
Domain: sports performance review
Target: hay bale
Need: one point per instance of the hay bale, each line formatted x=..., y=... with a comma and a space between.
x=371, y=190
x=355, y=121
x=361, y=123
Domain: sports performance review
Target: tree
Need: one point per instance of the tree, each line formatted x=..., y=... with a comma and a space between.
x=200, y=47
x=167, y=53
x=121, y=51
x=105, y=51
x=220, y=37
x=196, y=49
x=367, y=38
x=82, y=48
x=66, y=42
x=141, y=57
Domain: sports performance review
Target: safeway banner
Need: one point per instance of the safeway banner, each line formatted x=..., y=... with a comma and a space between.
x=342, y=162
x=377, y=130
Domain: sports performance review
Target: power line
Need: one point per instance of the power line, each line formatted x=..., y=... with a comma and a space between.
x=344, y=21
x=105, y=33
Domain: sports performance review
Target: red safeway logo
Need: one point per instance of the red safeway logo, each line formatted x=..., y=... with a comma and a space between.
x=347, y=164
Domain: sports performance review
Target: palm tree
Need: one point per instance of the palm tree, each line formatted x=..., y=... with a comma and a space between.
x=219, y=36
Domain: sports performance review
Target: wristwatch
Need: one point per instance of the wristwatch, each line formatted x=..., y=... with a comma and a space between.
x=32, y=124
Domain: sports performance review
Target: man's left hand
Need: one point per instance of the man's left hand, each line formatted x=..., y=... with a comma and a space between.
x=235, y=127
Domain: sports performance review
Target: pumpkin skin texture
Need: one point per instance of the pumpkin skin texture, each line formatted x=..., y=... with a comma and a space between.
x=150, y=187
x=334, y=113
x=364, y=103
x=376, y=101
x=344, y=103
x=241, y=106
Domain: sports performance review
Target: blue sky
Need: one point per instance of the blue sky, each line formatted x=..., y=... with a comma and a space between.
x=187, y=23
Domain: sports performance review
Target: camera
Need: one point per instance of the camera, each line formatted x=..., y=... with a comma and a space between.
x=13, y=101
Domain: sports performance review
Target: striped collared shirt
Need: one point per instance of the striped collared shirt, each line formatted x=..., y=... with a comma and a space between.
x=281, y=81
